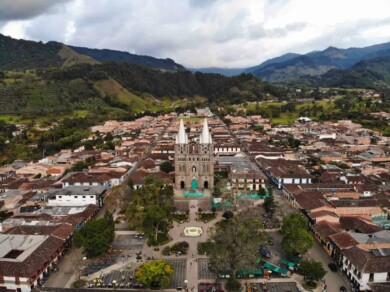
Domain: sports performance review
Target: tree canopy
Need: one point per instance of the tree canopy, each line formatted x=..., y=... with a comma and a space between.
x=166, y=166
x=96, y=236
x=293, y=222
x=235, y=244
x=312, y=270
x=155, y=274
x=296, y=238
x=270, y=204
x=150, y=207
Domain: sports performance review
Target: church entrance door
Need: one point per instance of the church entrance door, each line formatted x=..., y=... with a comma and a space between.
x=194, y=184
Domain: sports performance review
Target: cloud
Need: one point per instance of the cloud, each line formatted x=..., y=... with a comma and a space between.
x=25, y=9
x=201, y=33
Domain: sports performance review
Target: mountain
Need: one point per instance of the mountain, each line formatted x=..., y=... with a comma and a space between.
x=119, y=88
x=106, y=55
x=222, y=71
x=318, y=62
x=238, y=71
x=22, y=54
x=369, y=73
x=268, y=62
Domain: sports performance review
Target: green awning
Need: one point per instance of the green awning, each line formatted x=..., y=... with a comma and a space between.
x=287, y=263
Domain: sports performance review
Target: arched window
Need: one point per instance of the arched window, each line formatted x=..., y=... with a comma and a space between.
x=193, y=169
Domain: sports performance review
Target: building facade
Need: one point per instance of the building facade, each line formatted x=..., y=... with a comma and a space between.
x=194, y=160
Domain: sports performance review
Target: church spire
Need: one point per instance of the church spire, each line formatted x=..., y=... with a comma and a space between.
x=181, y=137
x=205, y=136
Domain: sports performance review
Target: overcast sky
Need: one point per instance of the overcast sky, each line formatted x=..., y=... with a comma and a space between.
x=201, y=33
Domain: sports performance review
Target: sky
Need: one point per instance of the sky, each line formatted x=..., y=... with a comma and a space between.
x=201, y=33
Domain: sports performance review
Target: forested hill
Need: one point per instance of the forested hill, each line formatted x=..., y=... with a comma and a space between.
x=370, y=73
x=120, y=88
x=105, y=55
x=22, y=54
x=141, y=80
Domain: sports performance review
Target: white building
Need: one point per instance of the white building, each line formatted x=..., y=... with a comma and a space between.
x=76, y=196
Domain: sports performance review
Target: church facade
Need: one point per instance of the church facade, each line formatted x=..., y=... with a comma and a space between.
x=194, y=160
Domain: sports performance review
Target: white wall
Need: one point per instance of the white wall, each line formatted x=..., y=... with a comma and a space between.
x=73, y=200
x=9, y=282
x=380, y=277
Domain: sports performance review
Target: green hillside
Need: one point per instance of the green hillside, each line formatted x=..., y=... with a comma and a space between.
x=120, y=88
x=370, y=73
x=22, y=54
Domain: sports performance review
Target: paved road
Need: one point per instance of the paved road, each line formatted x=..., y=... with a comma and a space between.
x=65, y=269
x=333, y=280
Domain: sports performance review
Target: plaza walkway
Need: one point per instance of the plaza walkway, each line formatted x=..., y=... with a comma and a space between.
x=177, y=235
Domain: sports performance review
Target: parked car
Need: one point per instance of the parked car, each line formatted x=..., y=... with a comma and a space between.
x=333, y=267
x=343, y=289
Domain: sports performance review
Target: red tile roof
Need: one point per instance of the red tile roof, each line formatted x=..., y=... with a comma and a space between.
x=343, y=240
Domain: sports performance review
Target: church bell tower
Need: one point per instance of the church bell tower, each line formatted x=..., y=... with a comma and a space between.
x=194, y=161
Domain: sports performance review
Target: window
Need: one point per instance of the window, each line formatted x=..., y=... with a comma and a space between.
x=91, y=197
x=75, y=197
x=59, y=197
x=371, y=277
x=84, y=197
x=17, y=280
x=1, y=279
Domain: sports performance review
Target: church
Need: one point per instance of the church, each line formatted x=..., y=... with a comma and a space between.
x=194, y=160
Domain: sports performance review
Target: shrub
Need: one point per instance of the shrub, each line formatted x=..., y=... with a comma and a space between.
x=80, y=283
x=166, y=251
x=233, y=285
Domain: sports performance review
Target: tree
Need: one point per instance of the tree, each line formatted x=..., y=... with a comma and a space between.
x=270, y=204
x=156, y=219
x=166, y=166
x=130, y=183
x=299, y=241
x=79, y=166
x=262, y=192
x=312, y=270
x=292, y=223
x=155, y=273
x=96, y=235
x=233, y=285
x=235, y=244
x=228, y=215
x=296, y=238
x=151, y=207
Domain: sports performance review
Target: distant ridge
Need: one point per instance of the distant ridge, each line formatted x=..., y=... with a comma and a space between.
x=106, y=55
x=23, y=54
x=317, y=63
